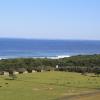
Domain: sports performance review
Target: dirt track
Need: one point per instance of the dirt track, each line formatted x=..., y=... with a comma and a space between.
x=88, y=96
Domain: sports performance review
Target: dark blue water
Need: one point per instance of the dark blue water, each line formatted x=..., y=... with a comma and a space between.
x=44, y=48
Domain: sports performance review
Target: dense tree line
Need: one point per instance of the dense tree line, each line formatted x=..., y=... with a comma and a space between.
x=80, y=63
x=27, y=63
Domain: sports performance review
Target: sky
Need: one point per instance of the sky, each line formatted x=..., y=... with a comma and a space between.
x=50, y=19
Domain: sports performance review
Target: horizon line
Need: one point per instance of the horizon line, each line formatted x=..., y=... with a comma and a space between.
x=49, y=39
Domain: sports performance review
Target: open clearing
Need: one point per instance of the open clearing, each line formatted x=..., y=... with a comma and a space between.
x=50, y=86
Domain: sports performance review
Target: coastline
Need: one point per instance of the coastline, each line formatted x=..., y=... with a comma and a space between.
x=47, y=57
x=41, y=57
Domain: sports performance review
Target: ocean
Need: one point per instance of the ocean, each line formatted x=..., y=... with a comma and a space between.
x=23, y=48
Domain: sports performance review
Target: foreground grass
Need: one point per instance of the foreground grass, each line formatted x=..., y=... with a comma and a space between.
x=46, y=86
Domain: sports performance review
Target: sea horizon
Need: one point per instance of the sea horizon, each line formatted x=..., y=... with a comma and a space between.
x=42, y=48
x=62, y=39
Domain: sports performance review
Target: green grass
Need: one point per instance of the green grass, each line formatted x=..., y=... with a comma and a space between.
x=46, y=86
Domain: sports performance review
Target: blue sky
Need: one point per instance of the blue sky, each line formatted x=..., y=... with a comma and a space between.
x=50, y=19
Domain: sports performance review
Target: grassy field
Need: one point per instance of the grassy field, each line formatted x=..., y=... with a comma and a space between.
x=47, y=86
